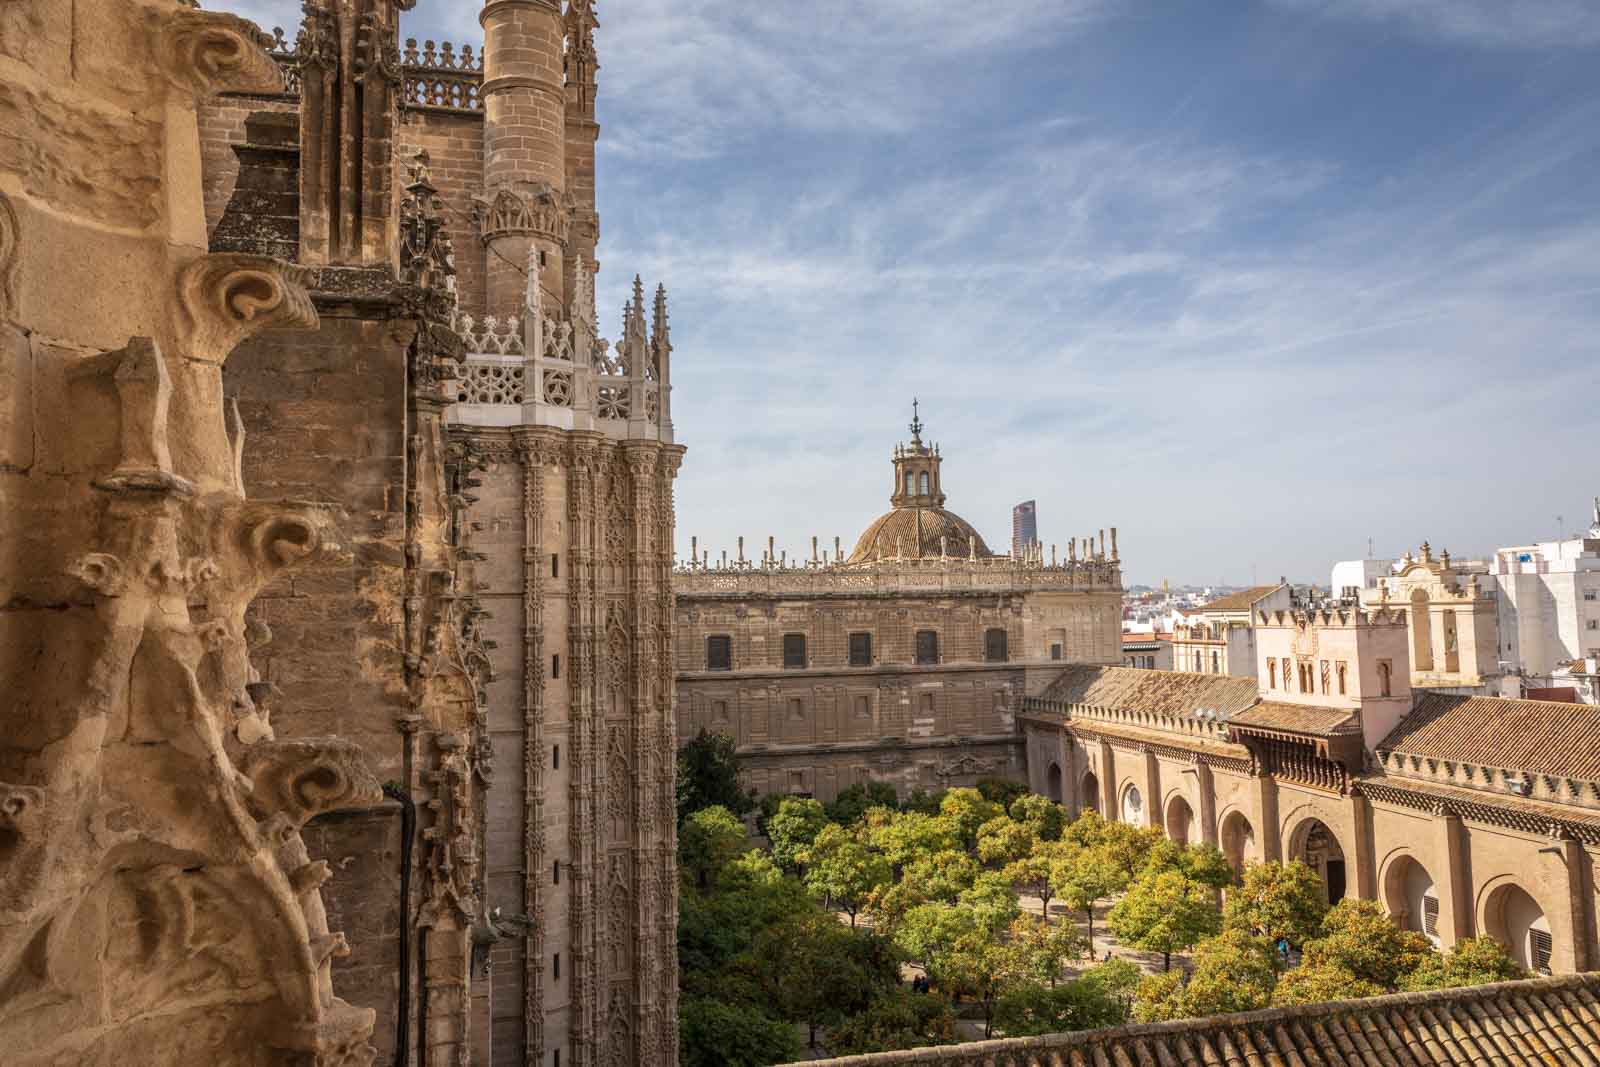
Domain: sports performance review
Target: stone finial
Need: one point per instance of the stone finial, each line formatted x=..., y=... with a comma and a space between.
x=1115, y=555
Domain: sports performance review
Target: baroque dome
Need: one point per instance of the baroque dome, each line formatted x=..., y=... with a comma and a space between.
x=915, y=533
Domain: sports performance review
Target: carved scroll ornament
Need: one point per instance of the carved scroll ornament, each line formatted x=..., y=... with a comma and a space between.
x=227, y=296
x=205, y=52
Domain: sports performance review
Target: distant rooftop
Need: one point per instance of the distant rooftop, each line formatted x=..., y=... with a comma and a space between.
x=1243, y=600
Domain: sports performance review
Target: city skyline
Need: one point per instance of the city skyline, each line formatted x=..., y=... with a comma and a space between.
x=1247, y=284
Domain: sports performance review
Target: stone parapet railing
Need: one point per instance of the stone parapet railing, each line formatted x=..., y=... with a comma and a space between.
x=1209, y=726
x=434, y=75
x=952, y=574
x=1494, y=781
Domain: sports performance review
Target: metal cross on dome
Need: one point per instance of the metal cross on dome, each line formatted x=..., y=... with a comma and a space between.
x=916, y=423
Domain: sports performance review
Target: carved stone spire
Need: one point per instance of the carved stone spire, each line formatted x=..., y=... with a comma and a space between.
x=582, y=64
x=350, y=81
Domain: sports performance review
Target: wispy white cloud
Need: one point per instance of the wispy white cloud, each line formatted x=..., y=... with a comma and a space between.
x=1481, y=23
x=1243, y=339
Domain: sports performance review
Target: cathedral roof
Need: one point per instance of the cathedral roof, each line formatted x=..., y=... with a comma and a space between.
x=1539, y=736
x=916, y=533
x=1176, y=693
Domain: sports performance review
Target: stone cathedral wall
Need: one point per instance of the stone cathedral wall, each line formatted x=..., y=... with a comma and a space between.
x=160, y=902
x=824, y=727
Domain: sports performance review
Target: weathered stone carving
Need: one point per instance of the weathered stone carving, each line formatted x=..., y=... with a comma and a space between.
x=229, y=295
x=157, y=904
x=208, y=52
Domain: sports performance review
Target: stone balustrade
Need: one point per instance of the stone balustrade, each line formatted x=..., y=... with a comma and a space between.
x=955, y=574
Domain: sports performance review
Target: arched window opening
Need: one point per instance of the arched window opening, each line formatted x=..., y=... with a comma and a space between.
x=922, y=483
x=1133, y=806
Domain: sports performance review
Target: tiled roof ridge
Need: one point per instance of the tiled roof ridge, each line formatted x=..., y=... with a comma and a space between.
x=1000, y=1050
x=1545, y=738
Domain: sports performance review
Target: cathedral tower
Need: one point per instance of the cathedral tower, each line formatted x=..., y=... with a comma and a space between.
x=571, y=438
x=526, y=211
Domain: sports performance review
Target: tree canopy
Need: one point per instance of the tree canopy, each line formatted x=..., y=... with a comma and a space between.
x=793, y=827
x=1165, y=911
x=1276, y=900
x=708, y=775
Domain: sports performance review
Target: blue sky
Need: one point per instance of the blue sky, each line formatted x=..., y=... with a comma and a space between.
x=1252, y=280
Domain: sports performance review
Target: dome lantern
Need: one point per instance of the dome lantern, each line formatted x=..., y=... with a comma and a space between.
x=917, y=526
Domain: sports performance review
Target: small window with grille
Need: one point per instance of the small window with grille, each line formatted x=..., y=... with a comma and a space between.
x=861, y=650
x=1540, y=949
x=794, y=651
x=927, y=646
x=719, y=653
x=1430, y=916
x=994, y=646
x=1055, y=651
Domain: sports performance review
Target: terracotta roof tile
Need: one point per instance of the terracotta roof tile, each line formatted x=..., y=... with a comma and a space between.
x=1296, y=718
x=1540, y=1021
x=1154, y=692
x=1539, y=736
x=1240, y=601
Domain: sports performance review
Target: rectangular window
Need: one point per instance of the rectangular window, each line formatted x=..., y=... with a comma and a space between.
x=1272, y=672
x=555, y=1061
x=558, y=965
x=994, y=646
x=719, y=653
x=863, y=707
x=797, y=710
x=1594, y=624
x=719, y=710
x=1588, y=594
x=555, y=565
x=860, y=650
x=1430, y=916
x=555, y=666
x=794, y=651
x=555, y=757
x=1055, y=651
x=1540, y=947
x=927, y=646
x=556, y=872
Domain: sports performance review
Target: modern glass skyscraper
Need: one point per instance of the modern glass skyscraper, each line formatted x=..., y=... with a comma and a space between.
x=1024, y=527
